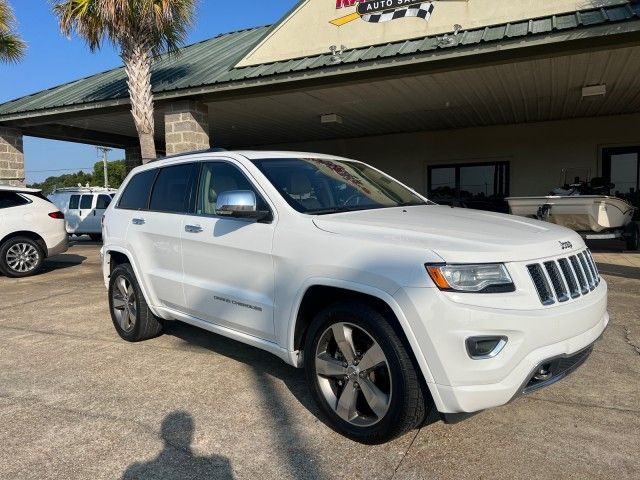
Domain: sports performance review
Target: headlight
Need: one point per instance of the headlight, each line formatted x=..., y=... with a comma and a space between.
x=484, y=278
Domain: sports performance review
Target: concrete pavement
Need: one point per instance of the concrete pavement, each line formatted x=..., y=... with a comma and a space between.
x=77, y=402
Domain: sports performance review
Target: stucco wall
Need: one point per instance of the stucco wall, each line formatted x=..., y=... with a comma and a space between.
x=308, y=31
x=537, y=151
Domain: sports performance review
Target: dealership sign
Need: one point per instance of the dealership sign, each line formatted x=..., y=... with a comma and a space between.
x=376, y=11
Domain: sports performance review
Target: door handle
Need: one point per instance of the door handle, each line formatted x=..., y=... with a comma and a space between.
x=192, y=228
x=138, y=221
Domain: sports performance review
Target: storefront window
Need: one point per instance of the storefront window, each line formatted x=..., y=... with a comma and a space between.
x=482, y=186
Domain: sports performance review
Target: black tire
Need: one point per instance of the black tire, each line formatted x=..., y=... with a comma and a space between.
x=632, y=236
x=407, y=407
x=95, y=237
x=36, y=258
x=146, y=325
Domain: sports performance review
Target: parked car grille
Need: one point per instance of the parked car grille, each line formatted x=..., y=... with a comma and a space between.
x=564, y=278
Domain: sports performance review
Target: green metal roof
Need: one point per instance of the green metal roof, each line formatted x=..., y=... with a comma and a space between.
x=212, y=61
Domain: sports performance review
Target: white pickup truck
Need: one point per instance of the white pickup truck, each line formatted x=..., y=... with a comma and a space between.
x=396, y=307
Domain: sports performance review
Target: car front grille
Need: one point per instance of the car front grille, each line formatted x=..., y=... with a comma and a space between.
x=565, y=278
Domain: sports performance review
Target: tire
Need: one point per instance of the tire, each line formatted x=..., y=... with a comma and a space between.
x=632, y=236
x=396, y=379
x=131, y=316
x=95, y=237
x=21, y=257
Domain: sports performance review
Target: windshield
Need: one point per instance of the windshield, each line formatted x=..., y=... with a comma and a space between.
x=320, y=186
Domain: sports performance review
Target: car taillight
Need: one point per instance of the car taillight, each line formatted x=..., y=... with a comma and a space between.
x=57, y=215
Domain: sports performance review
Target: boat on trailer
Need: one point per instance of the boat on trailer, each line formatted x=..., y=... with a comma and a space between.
x=580, y=208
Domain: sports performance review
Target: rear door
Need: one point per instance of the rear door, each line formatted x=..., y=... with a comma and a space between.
x=228, y=266
x=72, y=215
x=154, y=230
x=88, y=220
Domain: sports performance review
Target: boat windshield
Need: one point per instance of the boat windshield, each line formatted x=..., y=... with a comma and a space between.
x=319, y=186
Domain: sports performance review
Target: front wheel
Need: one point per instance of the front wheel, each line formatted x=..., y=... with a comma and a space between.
x=361, y=375
x=130, y=313
x=20, y=257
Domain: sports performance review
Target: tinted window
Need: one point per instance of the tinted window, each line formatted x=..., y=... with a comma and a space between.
x=136, y=195
x=219, y=177
x=86, y=202
x=11, y=199
x=103, y=202
x=172, y=191
x=74, y=202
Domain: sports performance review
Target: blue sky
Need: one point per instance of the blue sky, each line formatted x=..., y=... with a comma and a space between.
x=52, y=59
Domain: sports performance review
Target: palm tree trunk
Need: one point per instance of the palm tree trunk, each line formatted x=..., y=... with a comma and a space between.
x=137, y=64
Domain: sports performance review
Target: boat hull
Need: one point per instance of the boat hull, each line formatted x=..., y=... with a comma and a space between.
x=581, y=213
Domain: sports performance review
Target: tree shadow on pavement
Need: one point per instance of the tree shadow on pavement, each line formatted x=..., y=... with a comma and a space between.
x=177, y=460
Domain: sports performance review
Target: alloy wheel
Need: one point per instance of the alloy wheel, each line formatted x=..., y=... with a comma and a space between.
x=353, y=374
x=22, y=257
x=123, y=303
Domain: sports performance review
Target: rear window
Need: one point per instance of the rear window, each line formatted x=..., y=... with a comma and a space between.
x=87, y=202
x=74, y=202
x=11, y=199
x=173, y=190
x=136, y=195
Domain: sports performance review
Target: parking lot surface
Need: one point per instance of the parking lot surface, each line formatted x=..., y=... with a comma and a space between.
x=78, y=402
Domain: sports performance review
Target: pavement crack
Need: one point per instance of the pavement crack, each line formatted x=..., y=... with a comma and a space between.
x=627, y=337
x=404, y=455
x=36, y=300
x=589, y=405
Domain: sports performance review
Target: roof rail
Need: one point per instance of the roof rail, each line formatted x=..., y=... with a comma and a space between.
x=193, y=152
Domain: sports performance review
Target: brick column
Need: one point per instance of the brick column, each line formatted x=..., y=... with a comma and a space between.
x=11, y=157
x=186, y=126
x=132, y=157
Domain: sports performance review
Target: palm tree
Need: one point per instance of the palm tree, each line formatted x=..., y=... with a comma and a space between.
x=12, y=47
x=140, y=30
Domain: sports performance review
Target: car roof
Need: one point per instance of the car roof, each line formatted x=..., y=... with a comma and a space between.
x=9, y=188
x=247, y=154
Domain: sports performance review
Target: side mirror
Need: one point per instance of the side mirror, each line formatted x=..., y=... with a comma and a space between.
x=239, y=204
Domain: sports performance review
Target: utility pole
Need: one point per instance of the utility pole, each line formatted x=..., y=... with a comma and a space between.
x=105, y=153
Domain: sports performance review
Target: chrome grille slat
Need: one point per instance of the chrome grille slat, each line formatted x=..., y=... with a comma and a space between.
x=582, y=281
x=541, y=283
x=556, y=281
x=587, y=271
x=566, y=278
x=570, y=278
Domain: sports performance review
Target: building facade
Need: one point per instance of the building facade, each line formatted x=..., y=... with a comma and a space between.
x=466, y=101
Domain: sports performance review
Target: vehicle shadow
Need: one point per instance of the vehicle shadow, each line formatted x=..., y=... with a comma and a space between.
x=622, y=271
x=261, y=361
x=60, y=262
x=177, y=460
x=293, y=446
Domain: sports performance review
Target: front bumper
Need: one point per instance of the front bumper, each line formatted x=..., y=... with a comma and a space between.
x=460, y=384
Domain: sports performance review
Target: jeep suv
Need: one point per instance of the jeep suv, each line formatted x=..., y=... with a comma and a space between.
x=396, y=307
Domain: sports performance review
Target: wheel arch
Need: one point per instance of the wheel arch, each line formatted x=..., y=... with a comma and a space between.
x=28, y=234
x=313, y=296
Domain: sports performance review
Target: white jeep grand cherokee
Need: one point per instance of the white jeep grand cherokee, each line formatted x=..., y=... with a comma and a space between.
x=396, y=307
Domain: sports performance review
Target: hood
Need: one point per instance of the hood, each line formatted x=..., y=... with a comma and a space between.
x=456, y=234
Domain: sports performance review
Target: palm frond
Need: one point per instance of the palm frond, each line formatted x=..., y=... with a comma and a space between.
x=12, y=47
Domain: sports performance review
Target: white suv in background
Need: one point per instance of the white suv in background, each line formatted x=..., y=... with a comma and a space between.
x=31, y=229
x=394, y=306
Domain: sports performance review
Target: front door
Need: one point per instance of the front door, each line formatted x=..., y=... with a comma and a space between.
x=228, y=267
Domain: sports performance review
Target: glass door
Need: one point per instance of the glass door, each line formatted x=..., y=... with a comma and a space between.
x=621, y=166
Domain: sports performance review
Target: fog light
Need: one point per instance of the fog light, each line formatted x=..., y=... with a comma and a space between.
x=485, y=347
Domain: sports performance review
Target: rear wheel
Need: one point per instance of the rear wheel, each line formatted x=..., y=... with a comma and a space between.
x=632, y=236
x=20, y=257
x=130, y=313
x=361, y=375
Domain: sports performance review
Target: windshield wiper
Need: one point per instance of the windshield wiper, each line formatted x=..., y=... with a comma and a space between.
x=328, y=211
